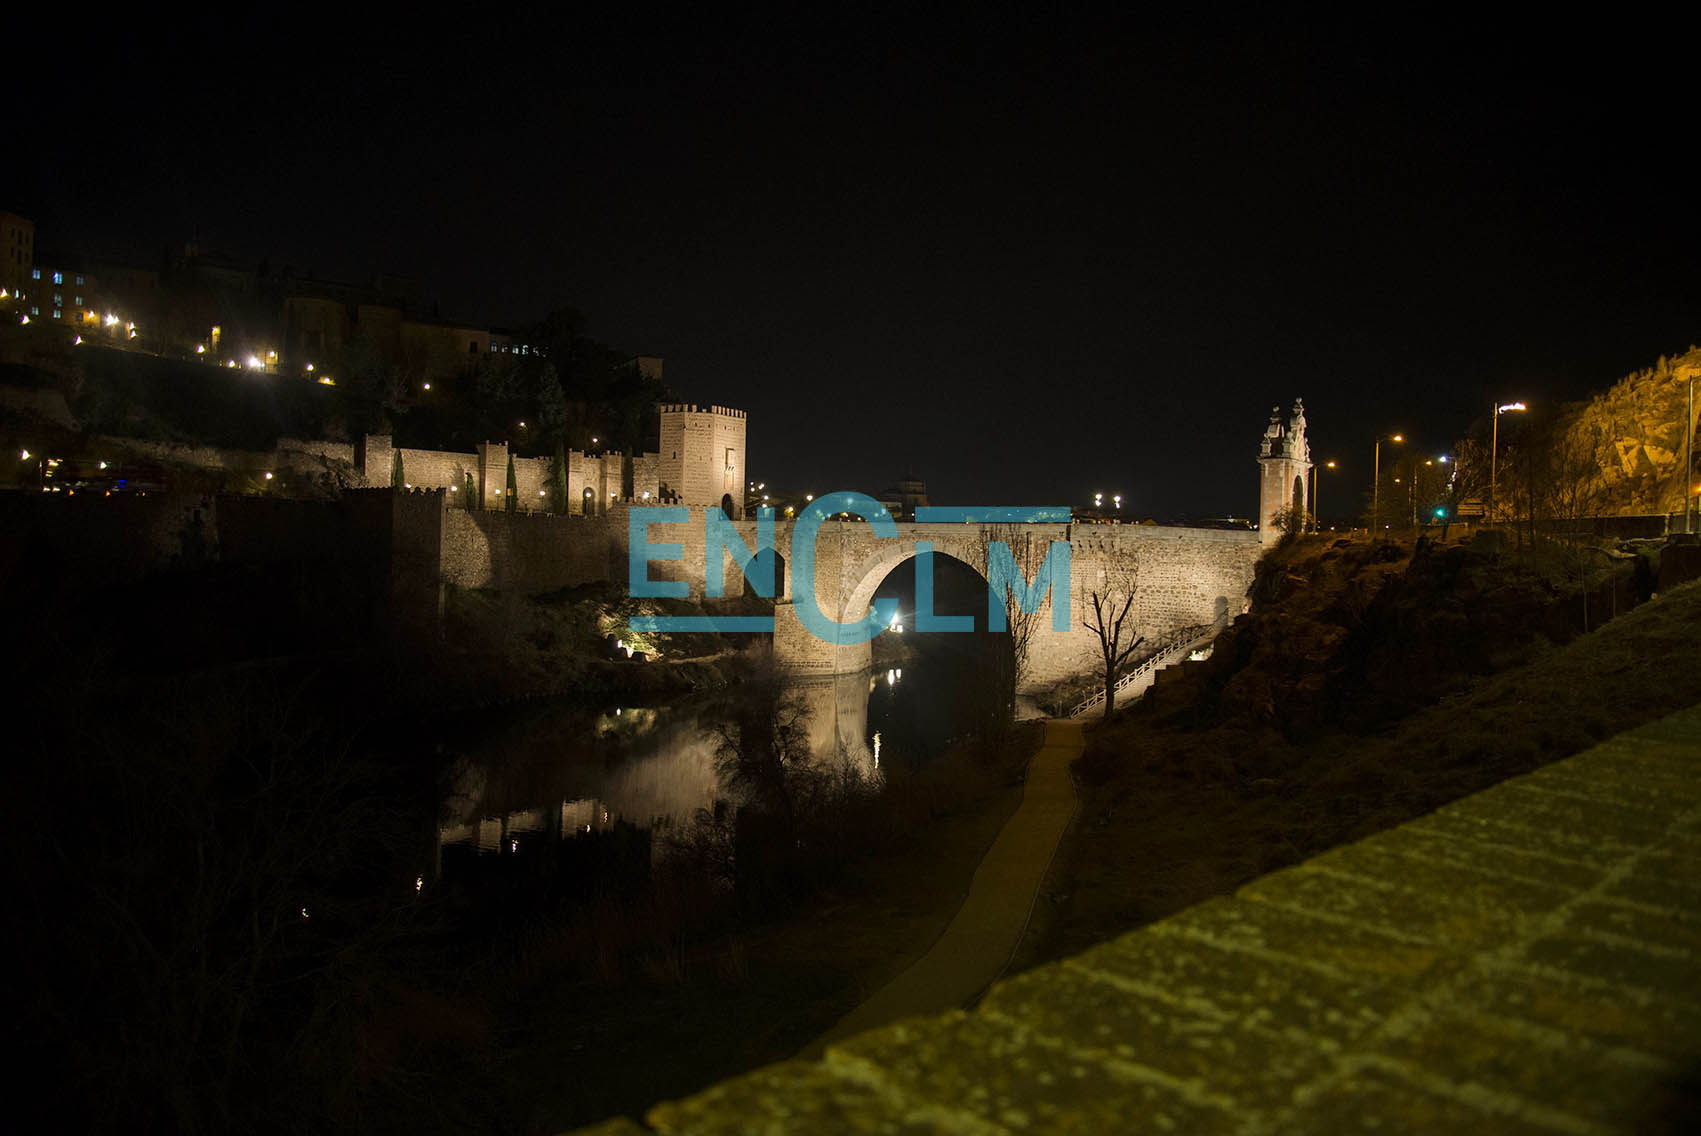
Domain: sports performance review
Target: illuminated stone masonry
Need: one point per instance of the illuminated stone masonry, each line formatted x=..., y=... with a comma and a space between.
x=1524, y=960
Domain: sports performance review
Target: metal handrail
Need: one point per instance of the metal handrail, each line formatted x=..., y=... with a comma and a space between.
x=1181, y=640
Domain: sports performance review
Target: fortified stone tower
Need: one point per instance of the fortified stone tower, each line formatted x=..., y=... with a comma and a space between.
x=702, y=455
x=1285, y=461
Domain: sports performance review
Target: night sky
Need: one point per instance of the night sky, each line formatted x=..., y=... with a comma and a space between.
x=1024, y=261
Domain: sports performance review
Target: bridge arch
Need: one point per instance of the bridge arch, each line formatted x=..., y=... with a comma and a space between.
x=864, y=576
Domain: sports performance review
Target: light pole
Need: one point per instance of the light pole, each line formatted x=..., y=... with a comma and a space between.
x=1376, y=481
x=1316, y=513
x=1689, y=459
x=1494, y=452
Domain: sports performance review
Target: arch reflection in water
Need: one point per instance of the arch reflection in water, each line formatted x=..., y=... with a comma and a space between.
x=652, y=768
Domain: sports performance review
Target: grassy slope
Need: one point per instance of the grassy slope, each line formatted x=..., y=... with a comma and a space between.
x=1244, y=769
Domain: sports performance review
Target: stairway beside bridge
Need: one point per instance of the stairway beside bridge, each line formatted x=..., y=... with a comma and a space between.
x=1175, y=647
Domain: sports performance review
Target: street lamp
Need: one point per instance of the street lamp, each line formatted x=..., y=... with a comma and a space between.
x=1376, y=481
x=1494, y=451
x=1316, y=514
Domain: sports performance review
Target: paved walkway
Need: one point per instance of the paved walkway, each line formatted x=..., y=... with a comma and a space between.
x=1525, y=960
x=982, y=937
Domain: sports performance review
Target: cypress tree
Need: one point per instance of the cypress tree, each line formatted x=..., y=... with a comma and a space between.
x=560, y=480
x=513, y=486
x=396, y=478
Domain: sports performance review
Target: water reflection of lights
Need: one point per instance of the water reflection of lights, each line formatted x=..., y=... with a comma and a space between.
x=877, y=749
x=418, y=884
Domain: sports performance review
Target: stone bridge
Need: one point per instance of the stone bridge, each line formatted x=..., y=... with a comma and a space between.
x=1184, y=577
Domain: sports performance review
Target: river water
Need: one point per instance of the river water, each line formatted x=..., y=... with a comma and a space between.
x=533, y=775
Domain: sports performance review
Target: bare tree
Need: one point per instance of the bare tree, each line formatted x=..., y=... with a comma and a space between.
x=1028, y=554
x=1109, y=613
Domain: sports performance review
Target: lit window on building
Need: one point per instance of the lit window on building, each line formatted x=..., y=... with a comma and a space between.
x=79, y=301
x=59, y=278
x=55, y=313
x=35, y=274
x=80, y=278
x=35, y=310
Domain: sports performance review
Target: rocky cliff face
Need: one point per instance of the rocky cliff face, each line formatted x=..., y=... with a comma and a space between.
x=1635, y=432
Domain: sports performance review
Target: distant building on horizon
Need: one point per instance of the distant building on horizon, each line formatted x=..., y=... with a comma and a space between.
x=905, y=497
x=17, y=251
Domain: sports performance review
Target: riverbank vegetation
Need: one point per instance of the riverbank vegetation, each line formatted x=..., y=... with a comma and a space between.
x=1372, y=682
x=228, y=870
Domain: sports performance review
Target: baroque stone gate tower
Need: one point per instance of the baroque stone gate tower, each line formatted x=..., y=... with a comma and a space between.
x=1285, y=461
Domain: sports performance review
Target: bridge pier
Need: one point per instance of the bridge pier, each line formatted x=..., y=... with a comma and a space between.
x=799, y=652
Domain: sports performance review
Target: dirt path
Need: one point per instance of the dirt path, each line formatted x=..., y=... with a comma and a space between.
x=980, y=940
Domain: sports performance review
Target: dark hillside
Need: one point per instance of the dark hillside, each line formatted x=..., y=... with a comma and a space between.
x=1370, y=684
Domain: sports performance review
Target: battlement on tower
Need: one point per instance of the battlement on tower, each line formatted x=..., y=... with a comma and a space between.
x=691, y=408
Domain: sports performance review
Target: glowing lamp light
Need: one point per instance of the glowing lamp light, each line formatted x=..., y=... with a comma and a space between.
x=77, y=340
x=428, y=387
x=540, y=493
x=25, y=456
x=418, y=884
x=24, y=320
x=268, y=475
x=1511, y=406
x=310, y=368
x=253, y=360
x=1399, y=438
x=111, y=319
x=103, y=465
